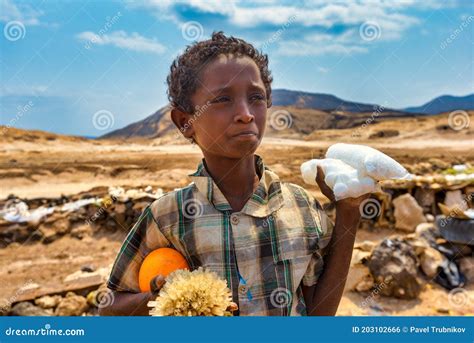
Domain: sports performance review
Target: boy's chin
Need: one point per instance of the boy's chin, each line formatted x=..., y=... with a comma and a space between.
x=237, y=151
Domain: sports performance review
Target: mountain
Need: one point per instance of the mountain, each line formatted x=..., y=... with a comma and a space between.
x=445, y=103
x=319, y=101
x=156, y=125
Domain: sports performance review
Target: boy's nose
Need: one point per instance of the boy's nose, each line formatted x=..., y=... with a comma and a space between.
x=242, y=112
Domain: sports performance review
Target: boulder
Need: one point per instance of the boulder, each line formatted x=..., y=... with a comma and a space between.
x=394, y=265
x=430, y=260
x=365, y=246
x=359, y=277
x=71, y=305
x=455, y=199
x=48, y=301
x=26, y=308
x=5, y=307
x=466, y=265
x=408, y=214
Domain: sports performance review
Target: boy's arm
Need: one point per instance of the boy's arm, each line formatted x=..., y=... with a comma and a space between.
x=132, y=304
x=322, y=299
x=123, y=283
x=128, y=304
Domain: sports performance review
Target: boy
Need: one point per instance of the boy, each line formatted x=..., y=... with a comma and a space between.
x=266, y=238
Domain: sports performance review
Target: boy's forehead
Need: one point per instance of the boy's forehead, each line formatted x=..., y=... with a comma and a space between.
x=225, y=70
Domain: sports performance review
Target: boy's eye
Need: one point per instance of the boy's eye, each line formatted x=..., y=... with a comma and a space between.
x=220, y=99
x=257, y=97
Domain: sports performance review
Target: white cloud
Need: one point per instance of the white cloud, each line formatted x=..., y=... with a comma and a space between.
x=392, y=18
x=22, y=13
x=123, y=40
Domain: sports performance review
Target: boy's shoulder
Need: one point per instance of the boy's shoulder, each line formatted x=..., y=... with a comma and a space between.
x=297, y=192
x=165, y=209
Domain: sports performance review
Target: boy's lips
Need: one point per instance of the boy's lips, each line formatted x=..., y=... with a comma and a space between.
x=246, y=133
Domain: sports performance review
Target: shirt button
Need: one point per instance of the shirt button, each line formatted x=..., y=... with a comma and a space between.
x=243, y=289
x=234, y=219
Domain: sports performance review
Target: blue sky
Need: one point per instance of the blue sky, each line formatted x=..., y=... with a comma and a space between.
x=89, y=67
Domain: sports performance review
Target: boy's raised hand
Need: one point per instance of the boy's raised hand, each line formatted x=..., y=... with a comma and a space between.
x=327, y=191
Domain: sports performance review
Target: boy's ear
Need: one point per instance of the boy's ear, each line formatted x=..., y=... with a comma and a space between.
x=182, y=121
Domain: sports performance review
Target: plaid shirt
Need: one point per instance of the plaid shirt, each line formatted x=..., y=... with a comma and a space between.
x=266, y=251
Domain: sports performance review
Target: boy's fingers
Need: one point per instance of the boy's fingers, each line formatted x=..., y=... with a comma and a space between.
x=157, y=283
x=325, y=189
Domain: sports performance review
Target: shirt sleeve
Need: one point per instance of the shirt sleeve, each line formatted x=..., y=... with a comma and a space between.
x=326, y=225
x=144, y=237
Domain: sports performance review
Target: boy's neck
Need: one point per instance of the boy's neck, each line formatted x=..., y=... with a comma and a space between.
x=236, y=178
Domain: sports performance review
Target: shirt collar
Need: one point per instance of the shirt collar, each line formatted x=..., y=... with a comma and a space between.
x=266, y=199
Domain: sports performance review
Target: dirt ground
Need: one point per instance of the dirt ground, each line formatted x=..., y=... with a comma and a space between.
x=51, y=168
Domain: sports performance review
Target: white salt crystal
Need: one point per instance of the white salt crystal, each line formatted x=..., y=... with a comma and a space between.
x=352, y=170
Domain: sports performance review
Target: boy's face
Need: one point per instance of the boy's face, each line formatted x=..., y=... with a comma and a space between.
x=232, y=100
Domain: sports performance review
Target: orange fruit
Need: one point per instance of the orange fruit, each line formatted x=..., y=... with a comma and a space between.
x=160, y=261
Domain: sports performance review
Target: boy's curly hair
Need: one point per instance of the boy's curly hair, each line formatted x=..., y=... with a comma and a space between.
x=184, y=71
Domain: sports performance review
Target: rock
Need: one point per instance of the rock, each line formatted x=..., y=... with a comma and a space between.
x=425, y=197
x=82, y=231
x=455, y=199
x=408, y=214
x=365, y=246
x=53, y=228
x=429, y=218
x=48, y=301
x=443, y=310
x=71, y=305
x=5, y=307
x=49, y=235
x=28, y=287
x=430, y=260
x=394, y=265
x=439, y=164
x=87, y=269
x=99, y=275
x=26, y=308
x=466, y=265
x=366, y=284
x=102, y=296
x=358, y=272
